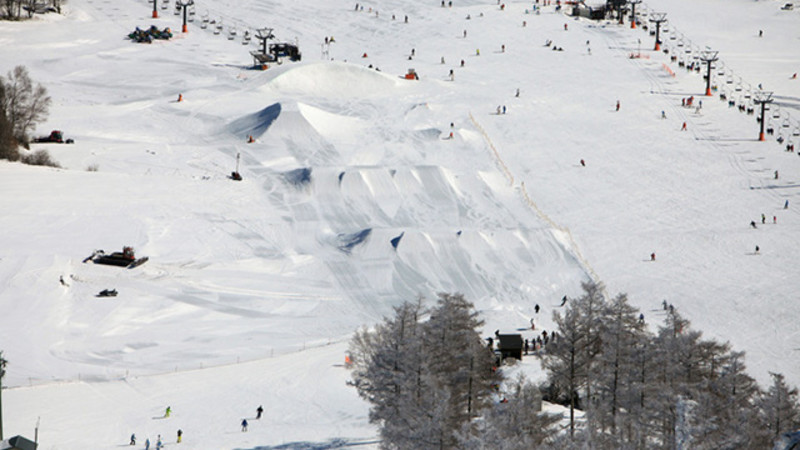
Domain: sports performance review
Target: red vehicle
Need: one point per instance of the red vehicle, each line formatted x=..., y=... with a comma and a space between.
x=56, y=136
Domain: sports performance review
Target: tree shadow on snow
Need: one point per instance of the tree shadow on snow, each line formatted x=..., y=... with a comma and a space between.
x=331, y=444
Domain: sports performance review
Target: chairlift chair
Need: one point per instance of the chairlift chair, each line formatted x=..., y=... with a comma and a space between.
x=165, y=4
x=786, y=123
x=776, y=114
x=796, y=132
x=680, y=43
x=232, y=34
x=218, y=29
x=739, y=87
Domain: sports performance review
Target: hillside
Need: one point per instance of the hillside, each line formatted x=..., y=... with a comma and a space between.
x=253, y=288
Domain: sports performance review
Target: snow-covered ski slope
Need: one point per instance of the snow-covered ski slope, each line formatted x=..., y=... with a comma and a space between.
x=280, y=268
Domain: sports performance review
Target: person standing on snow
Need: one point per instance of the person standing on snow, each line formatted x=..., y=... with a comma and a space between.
x=763, y=218
x=147, y=444
x=244, y=425
x=180, y=435
x=133, y=439
x=259, y=411
x=617, y=105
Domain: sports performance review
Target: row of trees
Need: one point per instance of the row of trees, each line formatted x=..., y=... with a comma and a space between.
x=432, y=384
x=14, y=9
x=670, y=389
x=23, y=104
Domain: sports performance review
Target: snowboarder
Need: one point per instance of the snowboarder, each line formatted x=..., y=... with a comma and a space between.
x=536, y=308
x=617, y=105
x=259, y=411
x=786, y=205
x=133, y=439
x=753, y=224
x=244, y=425
x=564, y=300
x=763, y=219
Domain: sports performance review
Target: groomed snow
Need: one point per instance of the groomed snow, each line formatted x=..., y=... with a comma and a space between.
x=253, y=288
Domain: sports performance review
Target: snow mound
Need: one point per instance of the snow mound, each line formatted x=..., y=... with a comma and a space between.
x=256, y=124
x=333, y=80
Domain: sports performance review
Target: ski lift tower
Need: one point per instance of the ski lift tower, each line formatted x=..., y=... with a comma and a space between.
x=762, y=98
x=184, y=4
x=708, y=57
x=155, y=9
x=658, y=19
x=263, y=35
x=633, y=4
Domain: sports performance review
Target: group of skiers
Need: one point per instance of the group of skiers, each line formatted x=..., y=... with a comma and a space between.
x=160, y=443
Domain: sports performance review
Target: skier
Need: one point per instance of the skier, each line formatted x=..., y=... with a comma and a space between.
x=641, y=318
x=565, y=27
x=159, y=444
x=168, y=411
x=517, y=94
x=774, y=220
x=462, y=63
x=503, y=48
x=536, y=308
x=683, y=128
x=133, y=439
x=147, y=444
x=757, y=250
x=533, y=325
x=652, y=256
x=180, y=435
x=763, y=219
x=477, y=52
x=452, y=75
x=617, y=105
x=760, y=33
x=406, y=19
x=583, y=163
x=442, y=59
x=244, y=425
x=526, y=346
x=61, y=280
x=776, y=174
x=413, y=52
x=465, y=34
x=504, y=109
x=786, y=205
x=564, y=300
x=663, y=115
x=259, y=411
x=498, y=110
x=753, y=224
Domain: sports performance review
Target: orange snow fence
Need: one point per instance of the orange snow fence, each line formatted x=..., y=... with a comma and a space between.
x=669, y=71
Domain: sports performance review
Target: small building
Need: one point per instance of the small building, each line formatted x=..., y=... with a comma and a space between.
x=510, y=345
x=597, y=12
x=17, y=443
